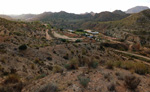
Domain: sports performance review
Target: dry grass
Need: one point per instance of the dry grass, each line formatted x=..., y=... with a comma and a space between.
x=137, y=67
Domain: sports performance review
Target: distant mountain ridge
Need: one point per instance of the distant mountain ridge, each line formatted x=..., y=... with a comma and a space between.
x=137, y=21
x=137, y=9
x=6, y=17
x=74, y=21
x=66, y=20
x=23, y=16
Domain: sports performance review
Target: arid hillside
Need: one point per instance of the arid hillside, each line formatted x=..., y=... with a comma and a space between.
x=35, y=57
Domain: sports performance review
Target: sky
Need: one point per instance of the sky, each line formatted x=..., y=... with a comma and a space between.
x=71, y=6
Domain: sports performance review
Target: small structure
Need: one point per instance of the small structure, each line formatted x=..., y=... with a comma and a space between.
x=71, y=30
x=90, y=36
x=88, y=31
x=94, y=33
x=91, y=32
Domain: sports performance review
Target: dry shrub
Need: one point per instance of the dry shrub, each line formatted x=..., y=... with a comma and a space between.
x=57, y=69
x=38, y=61
x=83, y=80
x=50, y=87
x=132, y=82
x=73, y=64
x=17, y=87
x=110, y=65
x=137, y=67
x=141, y=68
x=13, y=78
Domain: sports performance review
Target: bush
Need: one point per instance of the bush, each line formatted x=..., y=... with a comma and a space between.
x=137, y=67
x=78, y=40
x=2, y=48
x=127, y=65
x=41, y=76
x=12, y=79
x=75, y=45
x=49, y=58
x=84, y=52
x=17, y=33
x=101, y=48
x=141, y=68
x=23, y=47
x=118, y=64
x=57, y=69
x=122, y=40
x=118, y=46
x=83, y=80
x=66, y=56
x=63, y=40
x=107, y=76
x=32, y=66
x=110, y=65
x=80, y=30
x=38, y=61
x=3, y=60
x=94, y=63
x=132, y=82
x=73, y=64
x=1, y=68
x=17, y=87
x=48, y=88
x=111, y=87
x=67, y=66
x=3, y=51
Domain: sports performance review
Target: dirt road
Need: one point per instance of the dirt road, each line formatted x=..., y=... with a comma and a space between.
x=137, y=56
x=48, y=37
x=63, y=36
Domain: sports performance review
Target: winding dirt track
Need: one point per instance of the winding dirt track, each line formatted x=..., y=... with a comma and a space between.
x=147, y=59
x=48, y=37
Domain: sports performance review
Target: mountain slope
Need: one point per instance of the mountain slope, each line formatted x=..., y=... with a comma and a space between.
x=136, y=26
x=74, y=21
x=63, y=19
x=134, y=21
x=137, y=9
x=110, y=16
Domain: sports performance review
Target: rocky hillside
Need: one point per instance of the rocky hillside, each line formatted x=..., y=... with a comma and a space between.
x=135, y=24
x=36, y=57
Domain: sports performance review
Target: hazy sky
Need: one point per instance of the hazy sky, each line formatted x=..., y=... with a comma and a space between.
x=72, y=6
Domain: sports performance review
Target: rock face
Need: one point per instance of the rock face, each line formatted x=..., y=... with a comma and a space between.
x=137, y=9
